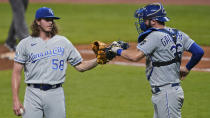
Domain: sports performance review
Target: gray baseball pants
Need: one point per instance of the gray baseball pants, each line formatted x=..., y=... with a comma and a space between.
x=168, y=102
x=44, y=104
x=18, y=28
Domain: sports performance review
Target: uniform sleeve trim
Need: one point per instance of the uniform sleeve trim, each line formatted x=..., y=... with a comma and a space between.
x=80, y=60
x=19, y=61
x=145, y=52
x=188, y=47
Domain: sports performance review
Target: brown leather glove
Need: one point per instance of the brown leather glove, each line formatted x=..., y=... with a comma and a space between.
x=102, y=52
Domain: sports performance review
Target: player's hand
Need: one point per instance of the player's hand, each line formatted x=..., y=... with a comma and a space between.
x=18, y=107
x=114, y=49
x=183, y=73
x=115, y=46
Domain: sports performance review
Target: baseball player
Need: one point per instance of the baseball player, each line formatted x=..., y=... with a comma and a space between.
x=163, y=47
x=18, y=28
x=44, y=56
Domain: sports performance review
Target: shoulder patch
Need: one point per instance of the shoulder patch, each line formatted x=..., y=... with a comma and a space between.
x=143, y=42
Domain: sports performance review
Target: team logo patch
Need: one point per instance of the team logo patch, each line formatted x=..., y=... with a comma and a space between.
x=33, y=44
x=50, y=11
x=143, y=42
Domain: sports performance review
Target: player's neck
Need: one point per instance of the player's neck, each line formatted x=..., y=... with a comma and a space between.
x=158, y=26
x=45, y=35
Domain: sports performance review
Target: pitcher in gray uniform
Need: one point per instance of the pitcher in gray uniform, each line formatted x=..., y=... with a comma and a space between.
x=163, y=47
x=44, y=56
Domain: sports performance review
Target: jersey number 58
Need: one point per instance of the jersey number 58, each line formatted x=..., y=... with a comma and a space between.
x=57, y=64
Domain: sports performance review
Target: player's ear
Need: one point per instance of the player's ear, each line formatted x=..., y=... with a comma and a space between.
x=153, y=22
x=38, y=21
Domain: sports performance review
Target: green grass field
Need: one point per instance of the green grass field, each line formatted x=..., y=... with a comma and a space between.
x=84, y=23
x=112, y=91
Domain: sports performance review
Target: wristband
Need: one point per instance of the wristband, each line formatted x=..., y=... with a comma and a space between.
x=119, y=51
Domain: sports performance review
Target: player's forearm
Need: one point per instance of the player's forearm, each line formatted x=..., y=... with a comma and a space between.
x=15, y=85
x=86, y=65
x=132, y=55
x=16, y=77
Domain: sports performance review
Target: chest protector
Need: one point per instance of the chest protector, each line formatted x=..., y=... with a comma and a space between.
x=173, y=35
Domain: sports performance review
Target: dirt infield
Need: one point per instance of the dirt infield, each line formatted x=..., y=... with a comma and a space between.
x=87, y=53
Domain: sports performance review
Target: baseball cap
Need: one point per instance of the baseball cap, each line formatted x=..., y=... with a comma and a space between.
x=45, y=12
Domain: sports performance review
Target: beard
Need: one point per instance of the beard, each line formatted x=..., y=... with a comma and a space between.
x=149, y=25
x=47, y=32
x=44, y=30
x=145, y=27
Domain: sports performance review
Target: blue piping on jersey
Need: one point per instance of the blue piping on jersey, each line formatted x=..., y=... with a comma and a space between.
x=150, y=73
x=148, y=77
x=73, y=64
x=167, y=105
x=19, y=61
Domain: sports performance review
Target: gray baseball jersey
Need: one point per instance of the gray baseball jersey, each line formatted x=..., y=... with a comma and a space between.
x=45, y=62
x=159, y=47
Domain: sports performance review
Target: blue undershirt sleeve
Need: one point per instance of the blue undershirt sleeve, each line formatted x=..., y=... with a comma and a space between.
x=197, y=53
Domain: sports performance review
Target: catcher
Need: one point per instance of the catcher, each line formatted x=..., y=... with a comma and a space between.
x=163, y=48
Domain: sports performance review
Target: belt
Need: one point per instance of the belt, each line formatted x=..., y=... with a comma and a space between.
x=156, y=89
x=45, y=87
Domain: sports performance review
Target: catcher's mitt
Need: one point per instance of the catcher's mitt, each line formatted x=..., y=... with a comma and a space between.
x=103, y=53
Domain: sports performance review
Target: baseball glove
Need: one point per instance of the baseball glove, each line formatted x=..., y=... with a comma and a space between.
x=102, y=52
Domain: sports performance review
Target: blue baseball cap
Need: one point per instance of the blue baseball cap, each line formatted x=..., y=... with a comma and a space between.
x=45, y=12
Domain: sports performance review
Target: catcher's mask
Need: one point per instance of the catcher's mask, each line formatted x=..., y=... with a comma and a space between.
x=153, y=11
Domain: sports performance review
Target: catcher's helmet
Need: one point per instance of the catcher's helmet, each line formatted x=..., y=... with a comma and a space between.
x=153, y=11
